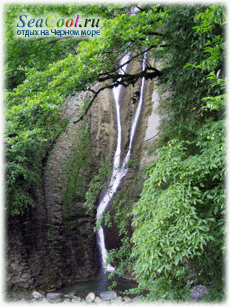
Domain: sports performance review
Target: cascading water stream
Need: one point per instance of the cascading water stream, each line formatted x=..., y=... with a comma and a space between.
x=136, y=117
x=118, y=171
x=115, y=180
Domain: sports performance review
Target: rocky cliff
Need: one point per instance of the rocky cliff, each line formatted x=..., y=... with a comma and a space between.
x=54, y=244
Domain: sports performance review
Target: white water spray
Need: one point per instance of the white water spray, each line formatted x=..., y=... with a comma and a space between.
x=118, y=171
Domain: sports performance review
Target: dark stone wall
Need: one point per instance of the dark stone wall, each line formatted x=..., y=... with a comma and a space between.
x=48, y=256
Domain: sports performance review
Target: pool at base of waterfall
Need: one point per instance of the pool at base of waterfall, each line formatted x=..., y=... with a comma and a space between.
x=98, y=285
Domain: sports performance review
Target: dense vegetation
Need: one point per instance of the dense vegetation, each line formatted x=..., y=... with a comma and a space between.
x=178, y=222
x=179, y=219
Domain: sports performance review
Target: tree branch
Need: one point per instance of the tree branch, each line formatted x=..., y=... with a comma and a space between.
x=124, y=80
x=134, y=77
x=91, y=102
x=127, y=62
x=130, y=60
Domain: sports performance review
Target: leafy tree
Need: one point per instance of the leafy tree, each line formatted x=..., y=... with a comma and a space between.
x=179, y=219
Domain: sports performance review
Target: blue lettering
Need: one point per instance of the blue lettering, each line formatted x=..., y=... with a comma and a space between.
x=45, y=32
x=73, y=32
x=60, y=32
x=30, y=23
x=23, y=22
x=41, y=23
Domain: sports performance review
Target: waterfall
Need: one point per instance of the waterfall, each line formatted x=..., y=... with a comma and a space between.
x=118, y=171
x=115, y=178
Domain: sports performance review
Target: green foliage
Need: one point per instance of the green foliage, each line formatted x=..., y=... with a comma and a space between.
x=132, y=162
x=99, y=182
x=179, y=221
x=150, y=148
x=214, y=47
x=32, y=127
x=213, y=21
x=188, y=41
x=122, y=217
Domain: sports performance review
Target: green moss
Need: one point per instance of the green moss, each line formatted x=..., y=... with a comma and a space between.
x=149, y=111
x=105, y=117
x=98, y=182
x=151, y=147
